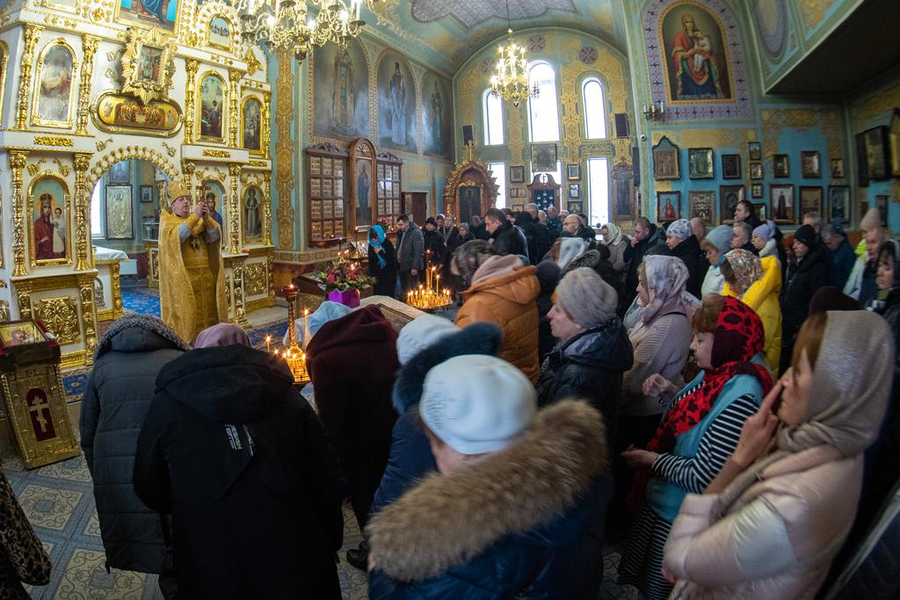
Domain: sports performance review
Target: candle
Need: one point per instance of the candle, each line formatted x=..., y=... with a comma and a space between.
x=268, y=343
x=305, y=326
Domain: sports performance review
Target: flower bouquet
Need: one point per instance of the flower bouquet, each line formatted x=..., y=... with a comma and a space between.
x=343, y=281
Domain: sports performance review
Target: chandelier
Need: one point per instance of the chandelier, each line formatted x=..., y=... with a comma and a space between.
x=510, y=82
x=336, y=22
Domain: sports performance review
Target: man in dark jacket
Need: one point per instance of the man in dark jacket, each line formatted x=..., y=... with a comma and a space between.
x=684, y=245
x=505, y=238
x=410, y=253
x=804, y=278
x=434, y=243
x=478, y=229
x=116, y=398
x=525, y=222
x=842, y=254
x=352, y=362
x=543, y=233
x=745, y=212
x=645, y=236
x=243, y=465
x=554, y=223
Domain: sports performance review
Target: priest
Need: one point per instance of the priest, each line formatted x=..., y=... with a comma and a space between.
x=191, y=273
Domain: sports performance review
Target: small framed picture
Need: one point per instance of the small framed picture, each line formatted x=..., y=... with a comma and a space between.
x=517, y=174
x=755, y=150
x=573, y=172
x=782, y=201
x=810, y=200
x=837, y=168
x=756, y=190
x=729, y=196
x=119, y=173
x=781, y=166
x=702, y=204
x=700, y=161
x=731, y=166
x=665, y=160
x=876, y=151
x=881, y=201
x=517, y=208
x=809, y=164
x=668, y=206
x=574, y=190
x=762, y=210
x=756, y=171
x=839, y=203
x=576, y=207
x=146, y=193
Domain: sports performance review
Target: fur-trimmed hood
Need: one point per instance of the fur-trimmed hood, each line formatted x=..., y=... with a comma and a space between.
x=590, y=259
x=147, y=333
x=478, y=338
x=448, y=519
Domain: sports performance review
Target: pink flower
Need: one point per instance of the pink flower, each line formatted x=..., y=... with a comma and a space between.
x=330, y=278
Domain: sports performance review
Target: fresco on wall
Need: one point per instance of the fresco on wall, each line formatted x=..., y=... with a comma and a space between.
x=696, y=56
x=772, y=26
x=436, y=116
x=396, y=104
x=341, y=92
x=696, y=60
x=149, y=13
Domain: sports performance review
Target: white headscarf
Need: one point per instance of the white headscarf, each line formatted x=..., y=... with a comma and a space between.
x=667, y=278
x=615, y=234
x=570, y=249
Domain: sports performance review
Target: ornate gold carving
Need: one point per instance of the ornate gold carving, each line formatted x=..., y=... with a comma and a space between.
x=256, y=279
x=169, y=150
x=89, y=45
x=17, y=163
x=267, y=210
x=53, y=140
x=130, y=153
x=101, y=146
x=64, y=170
x=188, y=168
x=454, y=181
x=191, y=66
x=228, y=290
x=88, y=315
x=35, y=167
x=284, y=152
x=234, y=177
x=146, y=88
x=60, y=316
x=36, y=117
x=3, y=69
x=216, y=153
x=253, y=65
x=265, y=140
x=258, y=163
x=4, y=311
x=83, y=254
x=31, y=33
x=118, y=310
x=24, y=297
x=240, y=315
x=117, y=113
x=234, y=76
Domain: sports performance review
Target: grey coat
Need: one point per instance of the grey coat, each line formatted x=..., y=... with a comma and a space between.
x=116, y=399
x=411, y=251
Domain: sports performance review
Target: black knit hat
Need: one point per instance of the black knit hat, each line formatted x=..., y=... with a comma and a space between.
x=806, y=234
x=431, y=220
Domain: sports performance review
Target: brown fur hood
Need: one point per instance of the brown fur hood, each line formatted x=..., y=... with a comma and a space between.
x=447, y=519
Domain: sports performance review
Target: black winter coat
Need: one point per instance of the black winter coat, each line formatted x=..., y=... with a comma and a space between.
x=434, y=243
x=509, y=240
x=689, y=253
x=243, y=465
x=804, y=278
x=590, y=367
x=527, y=225
x=480, y=233
x=116, y=399
x=386, y=276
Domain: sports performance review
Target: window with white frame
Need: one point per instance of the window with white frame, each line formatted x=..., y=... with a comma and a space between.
x=492, y=108
x=498, y=170
x=594, y=109
x=598, y=190
x=543, y=112
x=96, y=212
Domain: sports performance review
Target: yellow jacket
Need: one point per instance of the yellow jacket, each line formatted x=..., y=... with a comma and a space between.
x=763, y=298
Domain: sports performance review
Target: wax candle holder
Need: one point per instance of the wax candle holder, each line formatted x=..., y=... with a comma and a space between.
x=293, y=355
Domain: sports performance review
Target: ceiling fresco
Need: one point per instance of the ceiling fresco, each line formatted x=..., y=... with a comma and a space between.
x=445, y=33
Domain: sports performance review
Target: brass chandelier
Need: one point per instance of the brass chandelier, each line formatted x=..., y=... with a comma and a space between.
x=510, y=81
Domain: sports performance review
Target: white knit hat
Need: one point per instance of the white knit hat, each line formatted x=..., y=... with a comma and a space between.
x=477, y=404
x=420, y=333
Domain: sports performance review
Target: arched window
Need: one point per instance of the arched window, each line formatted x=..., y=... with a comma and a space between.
x=542, y=110
x=493, y=119
x=594, y=109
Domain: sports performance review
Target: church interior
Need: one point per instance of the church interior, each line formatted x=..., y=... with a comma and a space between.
x=299, y=144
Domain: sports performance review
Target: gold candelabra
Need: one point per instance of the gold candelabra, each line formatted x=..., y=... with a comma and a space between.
x=430, y=296
x=293, y=355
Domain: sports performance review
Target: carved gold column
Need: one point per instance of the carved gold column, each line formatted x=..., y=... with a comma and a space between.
x=89, y=48
x=118, y=309
x=23, y=291
x=267, y=209
x=266, y=126
x=83, y=254
x=240, y=313
x=32, y=33
x=191, y=68
x=284, y=151
x=234, y=75
x=187, y=171
x=270, y=264
x=16, y=164
x=88, y=315
x=234, y=221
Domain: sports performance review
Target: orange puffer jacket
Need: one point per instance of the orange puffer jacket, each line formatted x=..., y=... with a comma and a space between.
x=503, y=292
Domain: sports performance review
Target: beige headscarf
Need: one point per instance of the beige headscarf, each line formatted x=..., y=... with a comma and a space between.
x=667, y=278
x=851, y=385
x=615, y=234
x=570, y=248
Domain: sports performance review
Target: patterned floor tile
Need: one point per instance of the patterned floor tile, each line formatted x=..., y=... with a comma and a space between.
x=85, y=577
x=74, y=469
x=49, y=507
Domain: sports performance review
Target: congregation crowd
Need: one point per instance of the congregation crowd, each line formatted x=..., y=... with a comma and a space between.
x=719, y=403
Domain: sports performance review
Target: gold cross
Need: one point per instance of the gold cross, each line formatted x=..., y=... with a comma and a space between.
x=37, y=408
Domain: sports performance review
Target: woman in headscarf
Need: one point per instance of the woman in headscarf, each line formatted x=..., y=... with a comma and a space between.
x=757, y=283
x=382, y=262
x=617, y=243
x=698, y=432
x=763, y=240
x=771, y=522
x=222, y=334
x=575, y=252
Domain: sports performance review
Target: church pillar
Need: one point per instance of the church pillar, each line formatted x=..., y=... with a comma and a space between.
x=187, y=170
x=16, y=164
x=234, y=222
x=267, y=209
x=32, y=34
x=83, y=255
x=267, y=130
x=237, y=281
x=88, y=315
x=89, y=45
x=234, y=75
x=191, y=68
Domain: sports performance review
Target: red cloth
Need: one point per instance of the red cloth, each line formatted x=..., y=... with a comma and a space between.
x=44, y=229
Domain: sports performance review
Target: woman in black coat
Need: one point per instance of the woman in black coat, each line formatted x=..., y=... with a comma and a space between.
x=807, y=275
x=382, y=262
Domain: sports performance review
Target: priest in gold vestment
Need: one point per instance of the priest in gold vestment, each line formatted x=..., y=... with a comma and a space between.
x=191, y=273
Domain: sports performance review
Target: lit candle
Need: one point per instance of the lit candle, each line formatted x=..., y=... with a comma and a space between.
x=305, y=326
x=268, y=343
